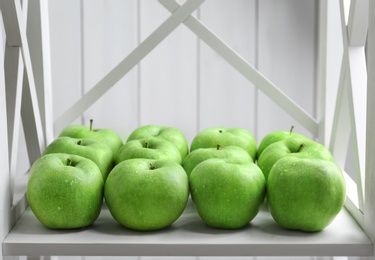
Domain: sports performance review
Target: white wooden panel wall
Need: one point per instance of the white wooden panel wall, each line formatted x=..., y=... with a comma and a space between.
x=287, y=56
x=183, y=82
x=167, y=87
x=226, y=97
x=109, y=32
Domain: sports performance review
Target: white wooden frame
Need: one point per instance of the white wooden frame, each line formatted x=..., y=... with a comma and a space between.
x=353, y=112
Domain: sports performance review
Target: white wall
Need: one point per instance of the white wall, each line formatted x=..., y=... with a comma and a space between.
x=183, y=82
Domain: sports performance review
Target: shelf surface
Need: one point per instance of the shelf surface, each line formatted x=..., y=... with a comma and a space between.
x=188, y=236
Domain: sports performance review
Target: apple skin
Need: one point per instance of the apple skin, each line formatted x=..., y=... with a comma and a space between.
x=149, y=148
x=274, y=137
x=305, y=193
x=63, y=196
x=199, y=155
x=145, y=194
x=89, y=148
x=108, y=136
x=210, y=137
x=227, y=193
x=167, y=133
x=291, y=147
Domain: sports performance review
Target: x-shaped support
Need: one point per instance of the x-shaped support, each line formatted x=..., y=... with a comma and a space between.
x=350, y=111
x=21, y=92
x=182, y=14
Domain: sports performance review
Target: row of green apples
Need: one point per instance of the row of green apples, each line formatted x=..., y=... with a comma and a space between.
x=148, y=194
x=297, y=176
x=65, y=188
x=66, y=185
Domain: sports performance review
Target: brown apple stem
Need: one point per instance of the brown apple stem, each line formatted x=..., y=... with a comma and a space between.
x=300, y=148
x=291, y=130
x=91, y=123
x=218, y=146
x=69, y=162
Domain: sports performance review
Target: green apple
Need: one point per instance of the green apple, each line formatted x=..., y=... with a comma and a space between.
x=108, y=136
x=65, y=191
x=305, y=193
x=227, y=193
x=210, y=137
x=167, y=133
x=146, y=194
x=300, y=147
x=199, y=155
x=89, y=148
x=148, y=148
x=276, y=136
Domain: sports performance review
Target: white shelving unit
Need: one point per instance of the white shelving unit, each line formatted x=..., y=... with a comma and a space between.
x=353, y=113
x=188, y=236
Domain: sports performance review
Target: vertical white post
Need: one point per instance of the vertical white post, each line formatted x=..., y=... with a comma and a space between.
x=370, y=134
x=5, y=202
x=321, y=73
x=38, y=35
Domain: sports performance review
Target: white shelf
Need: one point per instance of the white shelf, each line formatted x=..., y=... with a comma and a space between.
x=188, y=236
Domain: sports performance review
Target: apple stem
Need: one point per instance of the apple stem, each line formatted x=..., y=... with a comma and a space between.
x=152, y=167
x=91, y=123
x=291, y=130
x=218, y=147
x=300, y=147
x=146, y=144
x=79, y=142
x=69, y=162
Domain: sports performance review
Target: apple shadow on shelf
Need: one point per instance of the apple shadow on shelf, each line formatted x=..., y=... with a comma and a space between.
x=192, y=223
x=114, y=228
x=274, y=230
x=29, y=225
x=198, y=226
x=265, y=224
x=106, y=224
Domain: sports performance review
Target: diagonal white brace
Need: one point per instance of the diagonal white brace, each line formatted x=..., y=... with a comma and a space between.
x=11, y=23
x=247, y=70
x=127, y=63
